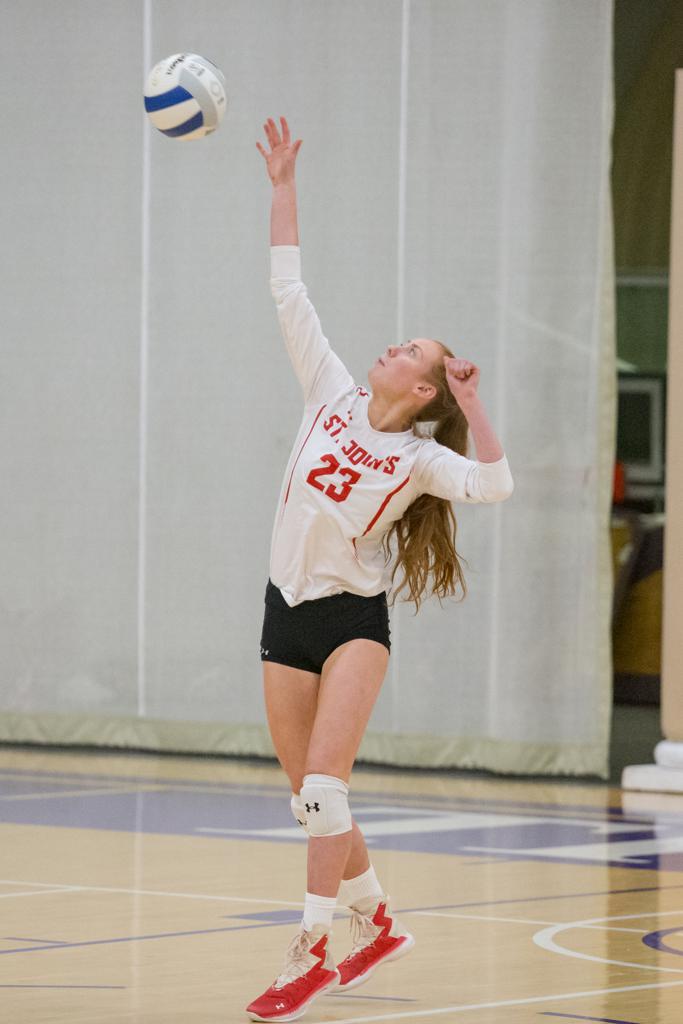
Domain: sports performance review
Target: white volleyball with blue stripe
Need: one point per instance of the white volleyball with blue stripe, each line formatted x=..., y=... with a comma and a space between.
x=185, y=96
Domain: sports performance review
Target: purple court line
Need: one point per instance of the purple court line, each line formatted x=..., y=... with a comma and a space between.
x=400, y=801
x=14, y=938
x=654, y=940
x=278, y=790
x=138, y=938
x=539, y=899
x=639, y=862
x=574, y=1016
x=66, y=986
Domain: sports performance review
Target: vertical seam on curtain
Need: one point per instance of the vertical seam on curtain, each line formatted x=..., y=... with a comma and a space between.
x=400, y=291
x=144, y=351
x=494, y=604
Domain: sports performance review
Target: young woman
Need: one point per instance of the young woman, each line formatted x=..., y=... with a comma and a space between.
x=362, y=480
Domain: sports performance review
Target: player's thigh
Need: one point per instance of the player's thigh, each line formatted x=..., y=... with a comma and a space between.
x=291, y=697
x=350, y=682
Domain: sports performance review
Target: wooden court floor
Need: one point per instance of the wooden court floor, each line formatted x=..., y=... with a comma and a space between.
x=155, y=889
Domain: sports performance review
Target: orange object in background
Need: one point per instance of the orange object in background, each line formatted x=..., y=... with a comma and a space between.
x=619, y=490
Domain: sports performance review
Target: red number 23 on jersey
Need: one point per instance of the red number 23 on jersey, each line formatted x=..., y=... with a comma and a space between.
x=331, y=466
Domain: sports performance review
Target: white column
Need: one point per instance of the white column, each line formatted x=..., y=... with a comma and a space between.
x=667, y=773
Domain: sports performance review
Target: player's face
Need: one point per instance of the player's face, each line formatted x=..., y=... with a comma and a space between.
x=402, y=367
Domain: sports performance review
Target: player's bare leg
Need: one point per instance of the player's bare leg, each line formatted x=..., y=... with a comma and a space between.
x=291, y=697
x=304, y=711
x=349, y=686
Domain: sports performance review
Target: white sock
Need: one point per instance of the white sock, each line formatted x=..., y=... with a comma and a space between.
x=318, y=910
x=354, y=890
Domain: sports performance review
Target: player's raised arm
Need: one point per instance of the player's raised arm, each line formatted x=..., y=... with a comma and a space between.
x=320, y=372
x=280, y=164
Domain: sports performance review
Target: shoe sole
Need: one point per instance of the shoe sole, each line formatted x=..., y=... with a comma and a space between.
x=332, y=984
x=395, y=954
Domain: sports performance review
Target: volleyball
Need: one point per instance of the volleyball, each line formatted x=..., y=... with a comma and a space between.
x=185, y=96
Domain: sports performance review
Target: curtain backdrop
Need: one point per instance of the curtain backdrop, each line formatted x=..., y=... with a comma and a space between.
x=453, y=183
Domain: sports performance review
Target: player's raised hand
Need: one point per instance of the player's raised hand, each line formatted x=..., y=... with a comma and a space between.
x=281, y=159
x=462, y=377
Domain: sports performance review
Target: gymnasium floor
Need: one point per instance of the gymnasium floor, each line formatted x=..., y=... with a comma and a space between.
x=156, y=889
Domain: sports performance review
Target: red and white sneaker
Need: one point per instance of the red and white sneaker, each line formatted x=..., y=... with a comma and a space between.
x=377, y=939
x=309, y=971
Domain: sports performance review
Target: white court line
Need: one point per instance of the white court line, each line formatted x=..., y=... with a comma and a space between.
x=622, y=852
x=47, y=885
x=154, y=892
x=522, y=920
x=546, y=940
x=100, y=778
x=38, y=892
x=286, y=832
x=466, y=1007
x=52, y=795
x=47, y=776
x=434, y=822
x=293, y=903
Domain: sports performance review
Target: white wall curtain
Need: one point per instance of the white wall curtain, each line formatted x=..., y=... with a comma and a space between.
x=453, y=183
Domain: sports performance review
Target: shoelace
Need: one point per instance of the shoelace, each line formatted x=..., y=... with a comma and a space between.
x=296, y=961
x=363, y=933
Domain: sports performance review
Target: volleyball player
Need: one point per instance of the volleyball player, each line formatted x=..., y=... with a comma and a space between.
x=366, y=492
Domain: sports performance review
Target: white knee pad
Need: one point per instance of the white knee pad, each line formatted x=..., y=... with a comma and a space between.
x=299, y=810
x=326, y=802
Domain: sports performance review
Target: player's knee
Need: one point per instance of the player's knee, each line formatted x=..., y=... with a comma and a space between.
x=299, y=810
x=326, y=803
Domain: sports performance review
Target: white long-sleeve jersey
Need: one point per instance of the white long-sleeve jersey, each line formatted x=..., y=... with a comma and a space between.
x=345, y=482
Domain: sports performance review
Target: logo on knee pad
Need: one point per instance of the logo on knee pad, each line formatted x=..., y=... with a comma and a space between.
x=328, y=797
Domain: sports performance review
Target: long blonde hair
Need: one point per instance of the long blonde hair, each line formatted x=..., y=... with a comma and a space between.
x=425, y=534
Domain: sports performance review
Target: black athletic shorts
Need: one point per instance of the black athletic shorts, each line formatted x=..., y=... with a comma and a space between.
x=306, y=635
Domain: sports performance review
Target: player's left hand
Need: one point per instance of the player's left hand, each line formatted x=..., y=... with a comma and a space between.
x=281, y=160
x=462, y=377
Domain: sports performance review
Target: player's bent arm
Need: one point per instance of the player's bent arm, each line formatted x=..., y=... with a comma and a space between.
x=487, y=445
x=448, y=475
x=490, y=481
